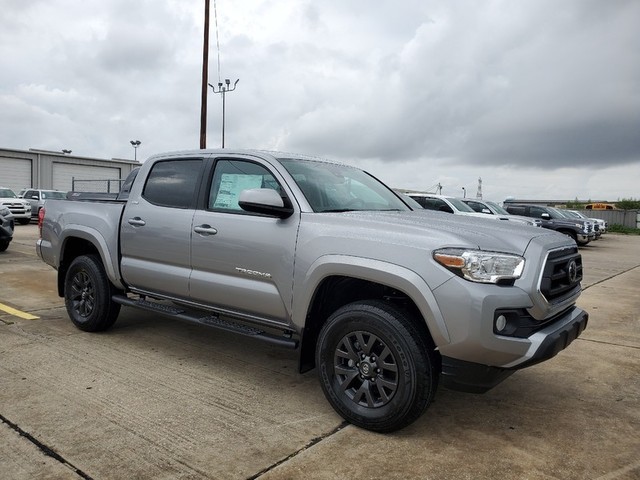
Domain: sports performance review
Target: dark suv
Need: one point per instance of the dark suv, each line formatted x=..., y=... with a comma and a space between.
x=6, y=227
x=580, y=230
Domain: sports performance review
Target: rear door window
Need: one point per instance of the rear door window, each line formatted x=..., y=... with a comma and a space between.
x=173, y=183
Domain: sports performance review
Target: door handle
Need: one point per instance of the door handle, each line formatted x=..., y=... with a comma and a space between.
x=137, y=222
x=205, y=230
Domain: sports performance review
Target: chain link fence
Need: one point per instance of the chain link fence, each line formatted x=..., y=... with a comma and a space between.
x=96, y=186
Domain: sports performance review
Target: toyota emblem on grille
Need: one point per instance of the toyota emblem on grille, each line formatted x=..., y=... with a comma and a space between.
x=572, y=271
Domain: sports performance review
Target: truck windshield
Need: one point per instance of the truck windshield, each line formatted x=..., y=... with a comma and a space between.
x=7, y=193
x=499, y=210
x=330, y=187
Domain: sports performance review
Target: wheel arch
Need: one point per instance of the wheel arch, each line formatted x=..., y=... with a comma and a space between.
x=85, y=241
x=333, y=282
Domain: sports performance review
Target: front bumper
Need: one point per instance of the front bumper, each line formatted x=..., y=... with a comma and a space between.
x=544, y=344
x=584, y=238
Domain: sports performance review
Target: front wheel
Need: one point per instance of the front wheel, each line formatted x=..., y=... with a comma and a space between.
x=87, y=295
x=376, y=368
x=4, y=244
x=24, y=221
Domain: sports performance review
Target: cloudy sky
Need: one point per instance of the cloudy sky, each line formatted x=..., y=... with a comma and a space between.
x=540, y=98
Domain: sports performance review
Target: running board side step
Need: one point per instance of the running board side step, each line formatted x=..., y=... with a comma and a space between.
x=207, y=319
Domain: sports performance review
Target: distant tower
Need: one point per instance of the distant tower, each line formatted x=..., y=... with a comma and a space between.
x=479, y=194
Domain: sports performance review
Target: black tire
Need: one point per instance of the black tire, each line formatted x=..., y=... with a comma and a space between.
x=24, y=221
x=4, y=244
x=379, y=396
x=87, y=295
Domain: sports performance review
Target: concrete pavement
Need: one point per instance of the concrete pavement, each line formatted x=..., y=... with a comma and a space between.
x=155, y=398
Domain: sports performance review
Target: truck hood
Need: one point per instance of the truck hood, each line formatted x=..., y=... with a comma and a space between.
x=441, y=229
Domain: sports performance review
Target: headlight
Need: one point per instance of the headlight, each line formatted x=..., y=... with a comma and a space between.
x=481, y=266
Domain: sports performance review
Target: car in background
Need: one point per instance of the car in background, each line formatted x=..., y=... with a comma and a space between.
x=6, y=227
x=37, y=197
x=580, y=230
x=443, y=203
x=492, y=208
x=571, y=216
x=602, y=224
x=21, y=209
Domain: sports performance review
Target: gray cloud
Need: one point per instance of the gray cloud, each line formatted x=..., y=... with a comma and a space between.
x=463, y=85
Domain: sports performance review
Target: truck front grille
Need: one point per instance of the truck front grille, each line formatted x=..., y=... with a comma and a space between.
x=562, y=274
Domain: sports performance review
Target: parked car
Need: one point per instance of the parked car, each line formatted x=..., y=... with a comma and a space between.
x=6, y=227
x=580, y=230
x=37, y=197
x=444, y=203
x=602, y=224
x=571, y=216
x=21, y=209
x=492, y=208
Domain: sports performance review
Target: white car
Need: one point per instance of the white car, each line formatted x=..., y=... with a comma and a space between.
x=21, y=209
x=443, y=203
x=491, y=208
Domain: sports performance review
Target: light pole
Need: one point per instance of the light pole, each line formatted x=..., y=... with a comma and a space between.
x=224, y=89
x=464, y=192
x=135, y=144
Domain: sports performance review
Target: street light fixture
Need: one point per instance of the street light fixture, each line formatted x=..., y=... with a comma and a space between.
x=224, y=89
x=65, y=151
x=135, y=144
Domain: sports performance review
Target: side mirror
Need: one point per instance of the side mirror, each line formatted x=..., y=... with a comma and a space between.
x=545, y=216
x=265, y=201
x=486, y=210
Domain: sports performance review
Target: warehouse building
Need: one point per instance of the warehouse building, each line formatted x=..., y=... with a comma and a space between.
x=45, y=169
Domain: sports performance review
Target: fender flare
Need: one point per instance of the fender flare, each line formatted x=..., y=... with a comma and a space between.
x=389, y=274
x=93, y=236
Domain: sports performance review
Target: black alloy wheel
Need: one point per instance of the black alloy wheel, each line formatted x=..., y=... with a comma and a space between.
x=377, y=368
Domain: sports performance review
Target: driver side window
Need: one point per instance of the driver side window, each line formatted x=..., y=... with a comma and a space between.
x=231, y=177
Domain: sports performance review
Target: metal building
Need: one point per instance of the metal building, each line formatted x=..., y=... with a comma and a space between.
x=57, y=170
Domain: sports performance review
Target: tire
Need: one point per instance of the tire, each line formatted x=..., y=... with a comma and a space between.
x=4, y=244
x=378, y=396
x=87, y=295
x=24, y=221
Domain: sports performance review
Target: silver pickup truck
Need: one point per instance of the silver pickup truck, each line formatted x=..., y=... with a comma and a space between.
x=386, y=302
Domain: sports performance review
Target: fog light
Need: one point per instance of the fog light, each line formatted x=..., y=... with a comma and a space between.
x=501, y=323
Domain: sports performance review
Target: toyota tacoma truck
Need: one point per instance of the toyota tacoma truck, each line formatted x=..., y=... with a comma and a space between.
x=385, y=302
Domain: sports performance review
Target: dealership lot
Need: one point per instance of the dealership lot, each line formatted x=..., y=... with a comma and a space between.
x=155, y=398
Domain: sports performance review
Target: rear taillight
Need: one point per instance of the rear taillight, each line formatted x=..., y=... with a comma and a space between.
x=40, y=220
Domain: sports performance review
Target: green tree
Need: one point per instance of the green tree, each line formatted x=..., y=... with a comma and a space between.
x=628, y=204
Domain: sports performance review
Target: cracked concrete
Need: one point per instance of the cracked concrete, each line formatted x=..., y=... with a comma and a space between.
x=153, y=398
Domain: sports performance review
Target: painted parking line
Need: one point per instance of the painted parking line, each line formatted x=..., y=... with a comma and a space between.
x=17, y=313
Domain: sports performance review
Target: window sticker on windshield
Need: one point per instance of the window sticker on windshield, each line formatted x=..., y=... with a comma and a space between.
x=231, y=184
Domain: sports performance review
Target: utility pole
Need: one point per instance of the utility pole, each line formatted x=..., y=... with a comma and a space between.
x=224, y=89
x=205, y=78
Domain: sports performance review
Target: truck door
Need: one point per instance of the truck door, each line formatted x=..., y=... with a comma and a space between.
x=156, y=226
x=242, y=261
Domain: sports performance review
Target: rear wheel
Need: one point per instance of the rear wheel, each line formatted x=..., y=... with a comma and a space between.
x=4, y=244
x=376, y=369
x=87, y=295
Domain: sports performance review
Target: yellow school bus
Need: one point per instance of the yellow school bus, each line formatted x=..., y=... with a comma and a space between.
x=599, y=206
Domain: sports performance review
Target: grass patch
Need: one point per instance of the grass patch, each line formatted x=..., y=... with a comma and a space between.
x=623, y=229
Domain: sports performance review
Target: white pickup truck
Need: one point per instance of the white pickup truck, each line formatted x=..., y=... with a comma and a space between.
x=384, y=301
